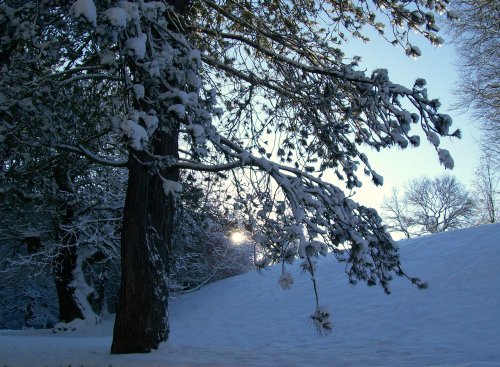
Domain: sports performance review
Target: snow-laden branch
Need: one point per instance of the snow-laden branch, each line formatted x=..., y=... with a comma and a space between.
x=81, y=150
x=195, y=166
x=319, y=209
x=68, y=72
x=90, y=76
x=249, y=78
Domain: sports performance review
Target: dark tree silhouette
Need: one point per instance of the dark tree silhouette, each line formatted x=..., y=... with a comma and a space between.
x=429, y=206
x=160, y=73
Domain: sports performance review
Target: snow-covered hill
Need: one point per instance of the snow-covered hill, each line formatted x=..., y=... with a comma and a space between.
x=249, y=321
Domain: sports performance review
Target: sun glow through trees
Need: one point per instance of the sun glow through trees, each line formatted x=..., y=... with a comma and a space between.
x=238, y=237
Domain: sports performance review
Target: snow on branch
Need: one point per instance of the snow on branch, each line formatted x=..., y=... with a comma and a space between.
x=318, y=218
x=137, y=71
x=80, y=149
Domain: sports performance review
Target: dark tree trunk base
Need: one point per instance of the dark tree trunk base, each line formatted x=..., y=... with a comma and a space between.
x=64, y=264
x=141, y=321
x=63, y=268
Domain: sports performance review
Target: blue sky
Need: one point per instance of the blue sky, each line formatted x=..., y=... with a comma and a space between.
x=438, y=66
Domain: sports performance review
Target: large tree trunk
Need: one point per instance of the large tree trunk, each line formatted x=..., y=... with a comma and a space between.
x=65, y=262
x=141, y=320
x=63, y=267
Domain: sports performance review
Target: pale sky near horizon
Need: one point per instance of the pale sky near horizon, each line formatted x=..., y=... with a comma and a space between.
x=438, y=66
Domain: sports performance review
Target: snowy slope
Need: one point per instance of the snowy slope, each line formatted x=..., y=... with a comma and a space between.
x=249, y=321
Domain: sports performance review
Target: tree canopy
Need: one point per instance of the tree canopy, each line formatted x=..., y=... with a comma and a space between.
x=258, y=92
x=429, y=205
x=475, y=30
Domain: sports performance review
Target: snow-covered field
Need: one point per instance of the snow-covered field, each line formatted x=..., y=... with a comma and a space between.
x=249, y=321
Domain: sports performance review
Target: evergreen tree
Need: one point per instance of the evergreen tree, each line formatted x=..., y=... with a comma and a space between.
x=151, y=73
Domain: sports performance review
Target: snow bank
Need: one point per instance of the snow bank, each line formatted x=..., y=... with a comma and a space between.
x=250, y=321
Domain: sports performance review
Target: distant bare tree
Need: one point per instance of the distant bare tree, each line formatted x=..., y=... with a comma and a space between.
x=486, y=190
x=394, y=209
x=429, y=206
x=476, y=34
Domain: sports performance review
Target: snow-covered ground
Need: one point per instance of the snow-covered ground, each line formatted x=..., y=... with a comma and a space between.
x=249, y=321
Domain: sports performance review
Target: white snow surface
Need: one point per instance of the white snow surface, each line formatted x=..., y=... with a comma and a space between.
x=117, y=17
x=85, y=8
x=136, y=133
x=139, y=91
x=171, y=187
x=249, y=320
x=137, y=46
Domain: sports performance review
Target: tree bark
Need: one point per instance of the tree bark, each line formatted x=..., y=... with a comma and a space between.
x=142, y=321
x=63, y=267
x=64, y=264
